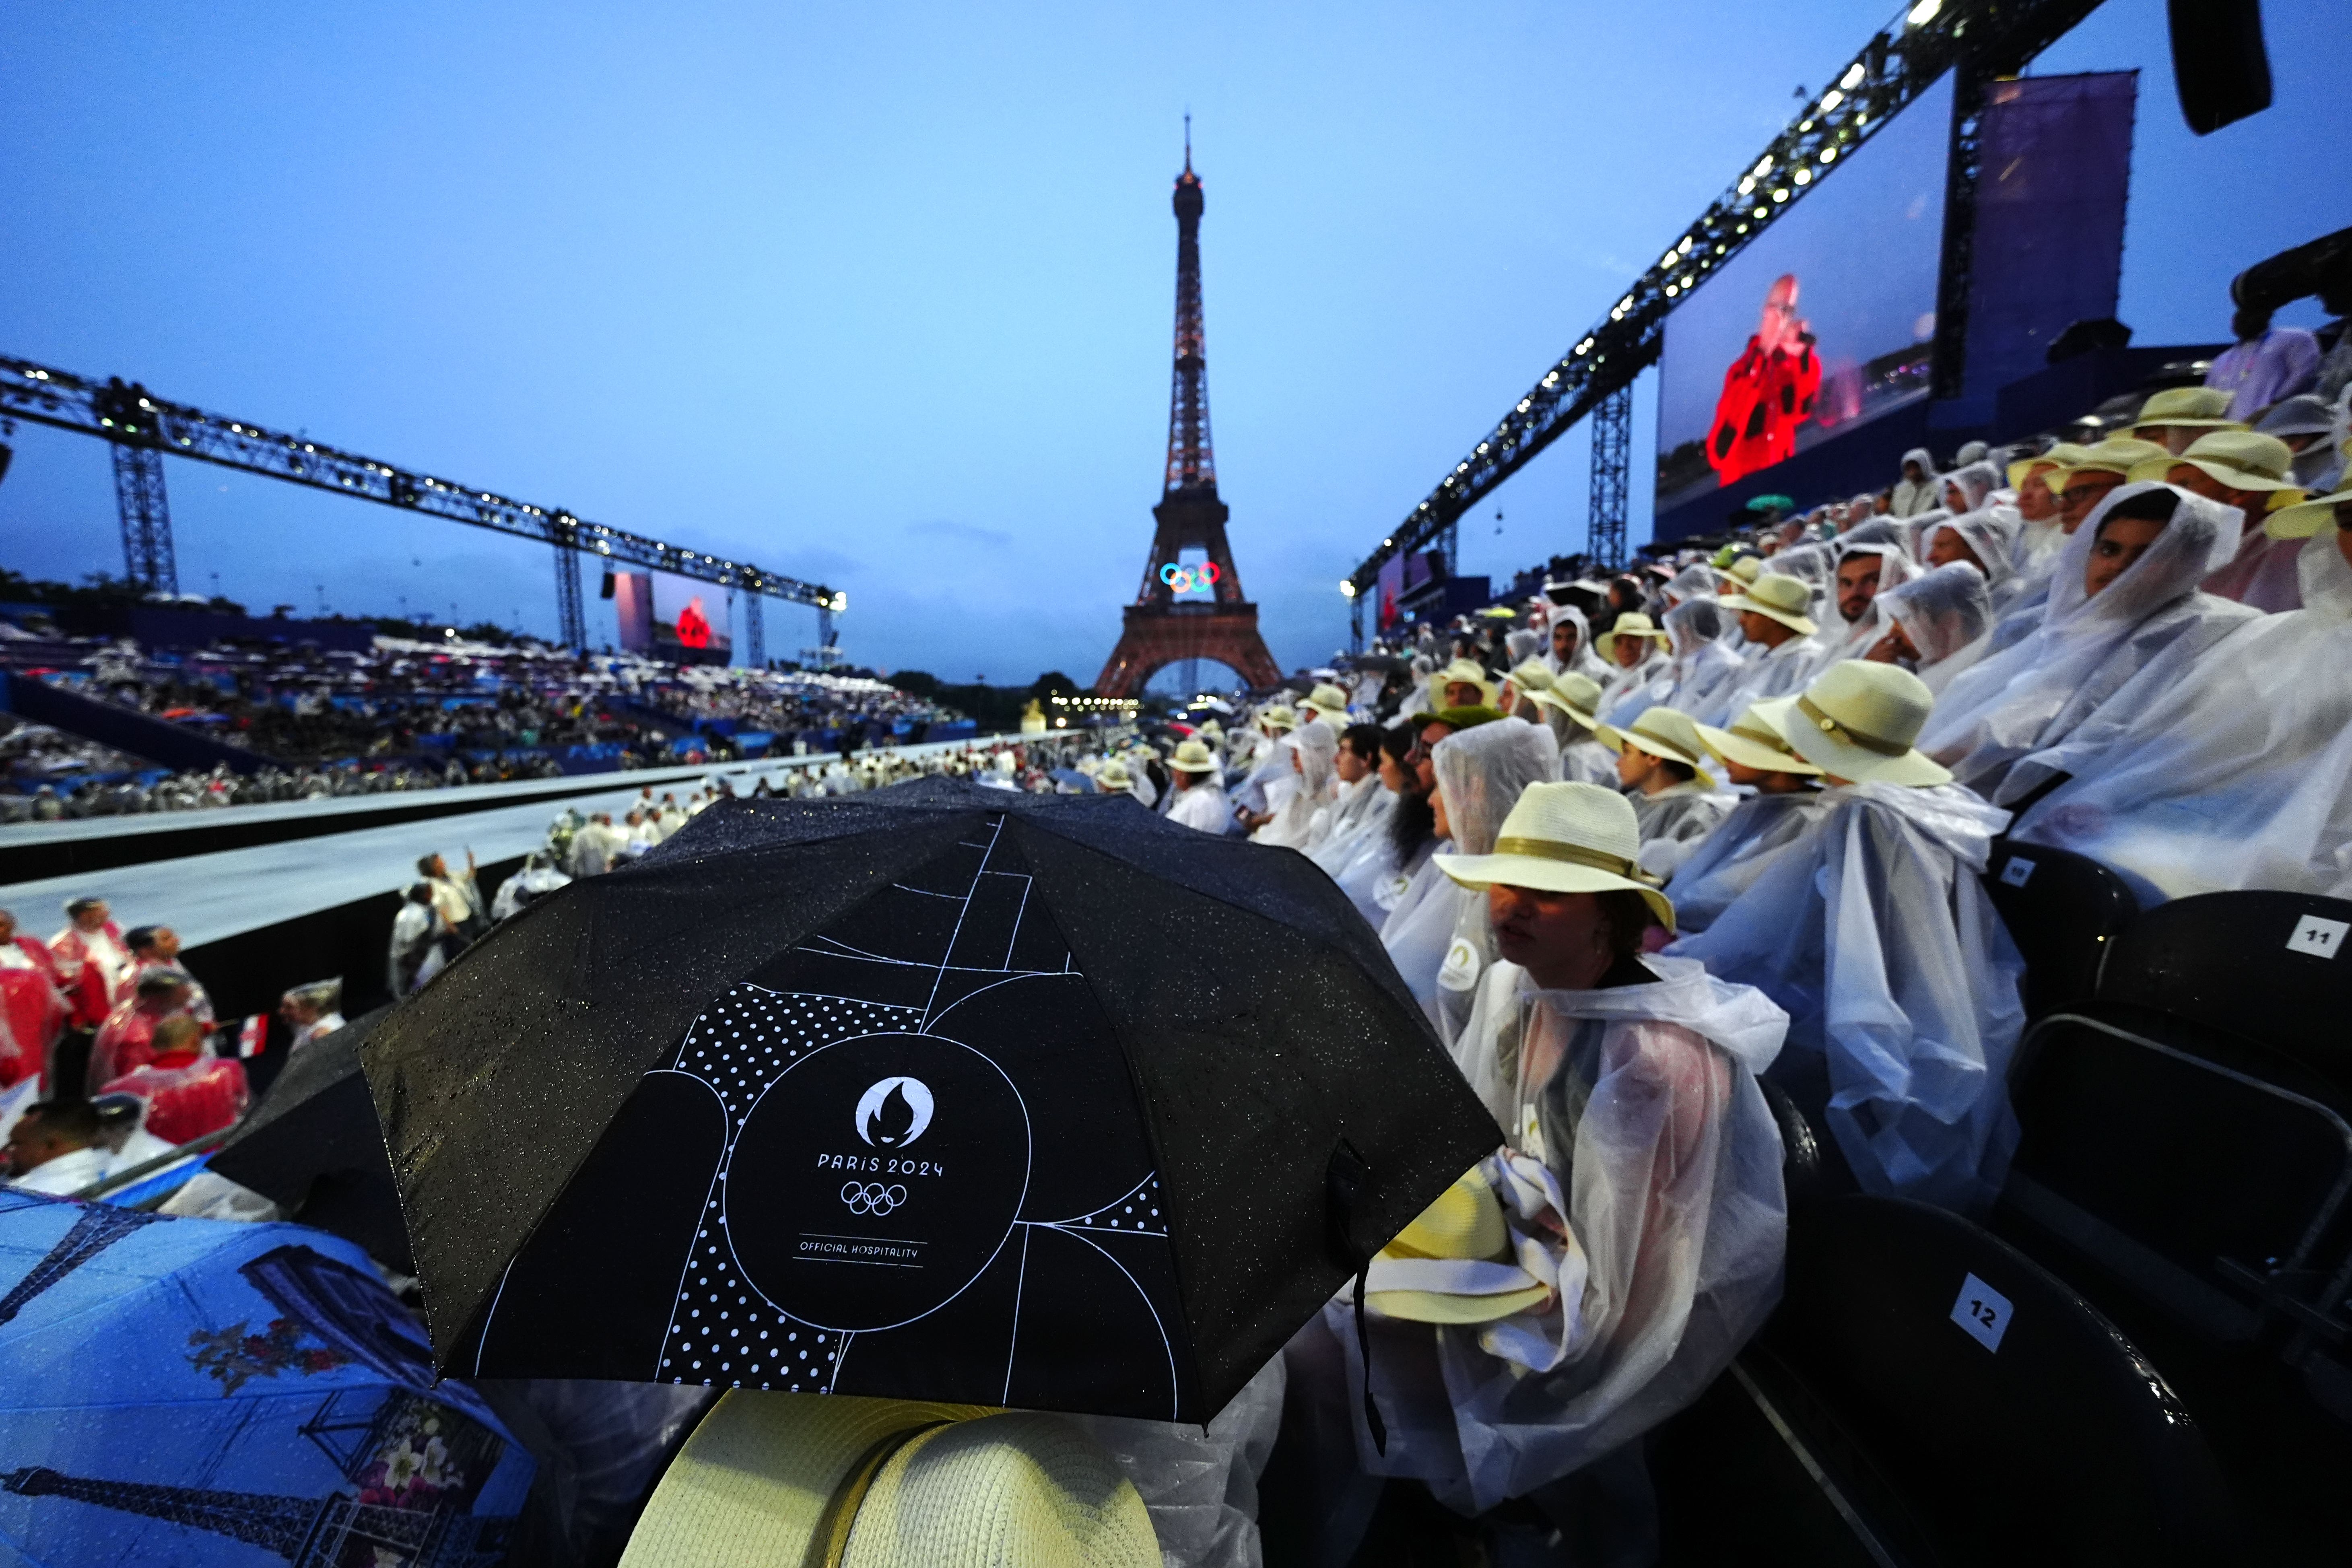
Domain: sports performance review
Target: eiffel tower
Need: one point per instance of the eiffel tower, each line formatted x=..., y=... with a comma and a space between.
x=1161, y=629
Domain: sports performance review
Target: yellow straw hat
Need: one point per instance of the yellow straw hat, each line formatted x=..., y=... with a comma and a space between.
x=1575, y=694
x=1278, y=716
x=1747, y=568
x=1464, y=672
x=1779, y=598
x=2306, y=518
x=2060, y=456
x=2187, y=407
x=2116, y=455
x=1564, y=838
x=1113, y=775
x=1665, y=733
x=1758, y=740
x=1422, y=1278
x=1632, y=624
x=2242, y=459
x=1330, y=702
x=887, y=1483
x=1858, y=720
x=1192, y=757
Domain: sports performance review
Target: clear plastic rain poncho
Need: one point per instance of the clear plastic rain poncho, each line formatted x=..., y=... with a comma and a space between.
x=1640, y=1102
x=1200, y=1483
x=1354, y=809
x=1366, y=865
x=1946, y=614
x=1697, y=580
x=1991, y=538
x=1814, y=565
x=1728, y=860
x=1901, y=1029
x=1316, y=749
x=1626, y=690
x=1768, y=672
x=1974, y=481
x=2218, y=768
x=1438, y=937
x=1915, y=531
x=2032, y=696
x=1519, y=646
x=1701, y=663
x=1877, y=530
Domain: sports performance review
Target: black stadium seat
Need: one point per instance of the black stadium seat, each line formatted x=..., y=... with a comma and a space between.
x=1960, y=1405
x=2063, y=911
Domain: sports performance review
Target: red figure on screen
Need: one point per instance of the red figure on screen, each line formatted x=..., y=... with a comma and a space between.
x=1767, y=391
x=693, y=626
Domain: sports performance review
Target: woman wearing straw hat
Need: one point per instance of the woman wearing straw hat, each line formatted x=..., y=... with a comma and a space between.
x=2223, y=768
x=1662, y=765
x=1641, y=1168
x=1786, y=803
x=2256, y=475
x=1634, y=649
x=1438, y=935
x=1200, y=799
x=1901, y=1029
x=2125, y=590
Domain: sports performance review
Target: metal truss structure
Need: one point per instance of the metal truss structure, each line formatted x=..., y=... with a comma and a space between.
x=141, y=427
x=1613, y=461
x=1981, y=38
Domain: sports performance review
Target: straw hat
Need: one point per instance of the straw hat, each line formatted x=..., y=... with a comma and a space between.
x=887, y=1483
x=1459, y=717
x=2305, y=518
x=1858, y=720
x=1330, y=702
x=1747, y=568
x=2242, y=459
x=1778, y=598
x=1632, y=624
x=1531, y=676
x=1209, y=727
x=1279, y=716
x=1575, y=694
x=1468, y=672
x=1665, y=733
x=1453, y=1264
x=2063, y=455
x=2188, y=407
x=1193, y=757
x=1758, y=740
x=1564, y=838
x=2118, y=454
x=1113, y=775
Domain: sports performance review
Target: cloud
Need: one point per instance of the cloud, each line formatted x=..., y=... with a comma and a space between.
x=971, y=533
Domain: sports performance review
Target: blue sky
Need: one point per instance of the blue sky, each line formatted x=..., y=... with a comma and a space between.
x=880, y=294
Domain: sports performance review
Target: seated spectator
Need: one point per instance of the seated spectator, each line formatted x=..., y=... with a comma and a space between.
x=1981, y=539
x=1313, y=753
x=2179, y=415
x=1916, y=490
x=2266, y=363
x=1968, y=487
x=1781, y=644
x=2085, y=482
x=1634, y=648
x=2254, y=474
x=1935, y=626
x=1640, y=1173
x=1362, y=805
x=1200, y=799
x=2125, y=590
x=1376, y=873
x=1437, y=942
x=1863, y=571
x=128, y=1036
x=1464, y=684
x=1662, y=767
x=32, y=1011
x=158, y=947
x=313, y=1012
x=1571, y=643
x=188, y=1093
x=2223, y=768
x=2037, y=504
x=1570, y=710
x=2308, y=427
x=1786, y=803
x=1268, y=778
x=1901, y=1027
x=53, y=1148
x=1701, y=662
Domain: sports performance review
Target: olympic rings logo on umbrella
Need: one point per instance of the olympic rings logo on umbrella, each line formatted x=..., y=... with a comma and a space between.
x=1184, y=578
x=872, y=1197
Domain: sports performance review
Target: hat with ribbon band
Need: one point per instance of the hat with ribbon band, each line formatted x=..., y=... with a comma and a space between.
x=1858, y=720
x=1564, y=838
x=1661, y=731
x=1778, y=597
x=1756, y=740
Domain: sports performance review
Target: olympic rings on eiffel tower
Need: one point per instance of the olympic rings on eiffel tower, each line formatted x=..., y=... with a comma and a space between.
x=1184, y=578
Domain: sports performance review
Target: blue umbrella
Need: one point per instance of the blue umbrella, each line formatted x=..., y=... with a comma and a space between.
x=201, y=1393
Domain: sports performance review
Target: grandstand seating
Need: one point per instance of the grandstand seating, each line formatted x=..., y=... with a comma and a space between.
x=2063, y=911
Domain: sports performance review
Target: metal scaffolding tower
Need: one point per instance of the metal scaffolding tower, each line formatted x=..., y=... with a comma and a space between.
x=1613, y=457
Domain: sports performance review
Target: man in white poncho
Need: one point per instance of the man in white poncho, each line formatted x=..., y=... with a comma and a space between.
x=1875, y=933
x=1200, y=799
x=1865, y=570
x=1786, y=803
x=1625, y=1240
x=1438, y=935
x=2125, y=590
x=1570, y=645
x=1781, y=647
x=1936, y=624
x=2225, y=767
x=1915, y=491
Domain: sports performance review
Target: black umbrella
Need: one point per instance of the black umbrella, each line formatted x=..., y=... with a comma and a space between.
x=939, y=1092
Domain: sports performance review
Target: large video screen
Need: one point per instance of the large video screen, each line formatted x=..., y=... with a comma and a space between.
x=1824, y=323
x=672, y=617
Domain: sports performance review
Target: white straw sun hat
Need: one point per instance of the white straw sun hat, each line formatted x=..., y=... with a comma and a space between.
x=1330, y=702
x=1858, y=721
x=1632, y=624
x=886, y=1483
x=1661, y=731
x=1779, y=598
x=1758, y=739
x=1564, y=838
x=2305, y=518
x=1192, y=757
x=1575, y=694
